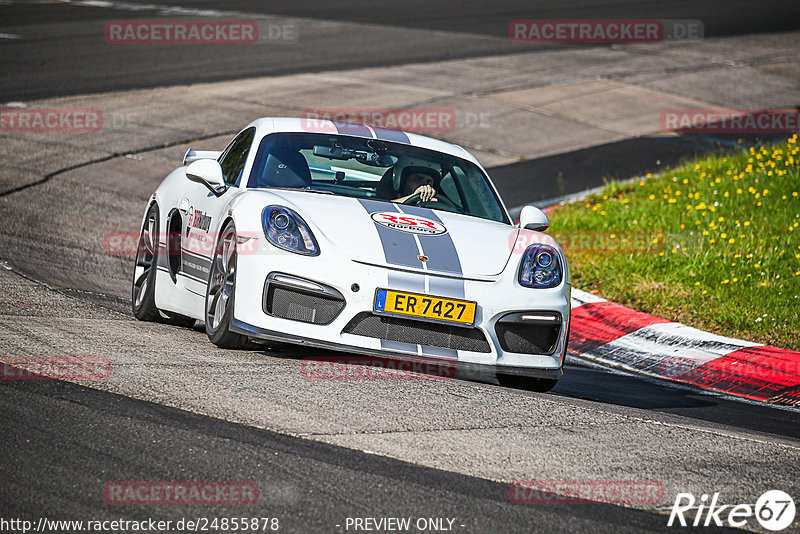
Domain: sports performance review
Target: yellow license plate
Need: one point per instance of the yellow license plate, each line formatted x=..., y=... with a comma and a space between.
x=425, y=306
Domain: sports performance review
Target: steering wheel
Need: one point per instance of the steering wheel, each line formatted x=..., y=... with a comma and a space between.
x=441, y=201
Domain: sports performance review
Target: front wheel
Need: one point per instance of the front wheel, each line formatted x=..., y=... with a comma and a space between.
x=220, y=291
x=143, y=287
x=540, y=385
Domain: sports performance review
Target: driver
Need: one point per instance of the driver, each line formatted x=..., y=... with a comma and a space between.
x=418, y=180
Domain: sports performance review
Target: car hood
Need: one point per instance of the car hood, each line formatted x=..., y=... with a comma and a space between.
x=395, y=235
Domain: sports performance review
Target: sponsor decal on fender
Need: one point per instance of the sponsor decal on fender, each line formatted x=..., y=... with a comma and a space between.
x=408, y=223
x=198, y=219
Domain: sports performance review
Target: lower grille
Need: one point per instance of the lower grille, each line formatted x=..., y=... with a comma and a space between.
x=528, y=338
x=290, y=303
x=417, y=332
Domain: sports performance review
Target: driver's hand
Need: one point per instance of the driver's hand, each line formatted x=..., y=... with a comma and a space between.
x=426, y=193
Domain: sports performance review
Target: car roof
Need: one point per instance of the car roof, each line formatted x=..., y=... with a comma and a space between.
x=268, y=125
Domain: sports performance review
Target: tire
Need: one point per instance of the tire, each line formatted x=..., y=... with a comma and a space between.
x=540, y=385
x=143, y=285
x=220, y=293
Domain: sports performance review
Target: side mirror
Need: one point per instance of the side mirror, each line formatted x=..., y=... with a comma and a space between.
x=209, y=173
x=532, y=218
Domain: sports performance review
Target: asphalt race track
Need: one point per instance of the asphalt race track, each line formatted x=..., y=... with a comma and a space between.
x=176, y=408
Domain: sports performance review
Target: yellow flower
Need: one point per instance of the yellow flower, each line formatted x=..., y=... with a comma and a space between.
x=726, y=281
x=697, y=283
x=641, y=183
x=703, y=292
x=747, y=223
x=731, y=241
x=652, y=197
x=723, y=235
x=735, y=280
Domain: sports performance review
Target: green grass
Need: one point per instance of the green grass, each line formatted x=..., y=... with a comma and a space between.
x=714, y=244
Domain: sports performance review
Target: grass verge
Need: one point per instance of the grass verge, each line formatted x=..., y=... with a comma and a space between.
x=714, y=244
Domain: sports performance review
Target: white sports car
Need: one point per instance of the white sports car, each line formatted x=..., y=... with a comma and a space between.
x=357, y=239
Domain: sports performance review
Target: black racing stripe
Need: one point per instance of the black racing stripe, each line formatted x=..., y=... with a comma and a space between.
x=451, y=287
x=399, y=248
x=407, y=281
x=347, y=128
x=442, y=256
x=398, y=346
x=196, y=256
x=391, y=135
x=196, y=267
x=440, y=249
x=439, y=351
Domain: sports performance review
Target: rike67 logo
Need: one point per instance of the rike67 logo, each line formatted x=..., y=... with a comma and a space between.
x=774, y=511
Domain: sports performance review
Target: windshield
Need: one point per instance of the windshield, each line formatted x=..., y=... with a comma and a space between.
x=375, y=169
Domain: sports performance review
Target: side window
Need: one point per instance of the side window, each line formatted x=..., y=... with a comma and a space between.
x=234, y=158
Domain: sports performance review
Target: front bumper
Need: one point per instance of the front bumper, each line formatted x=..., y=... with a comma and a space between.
x=357, y=282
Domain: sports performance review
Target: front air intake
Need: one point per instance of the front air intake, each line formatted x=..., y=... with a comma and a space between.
x=287, y=301
x=417, y=332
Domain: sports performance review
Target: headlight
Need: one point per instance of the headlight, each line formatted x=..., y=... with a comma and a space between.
x=285, y=229
x=540, y=267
